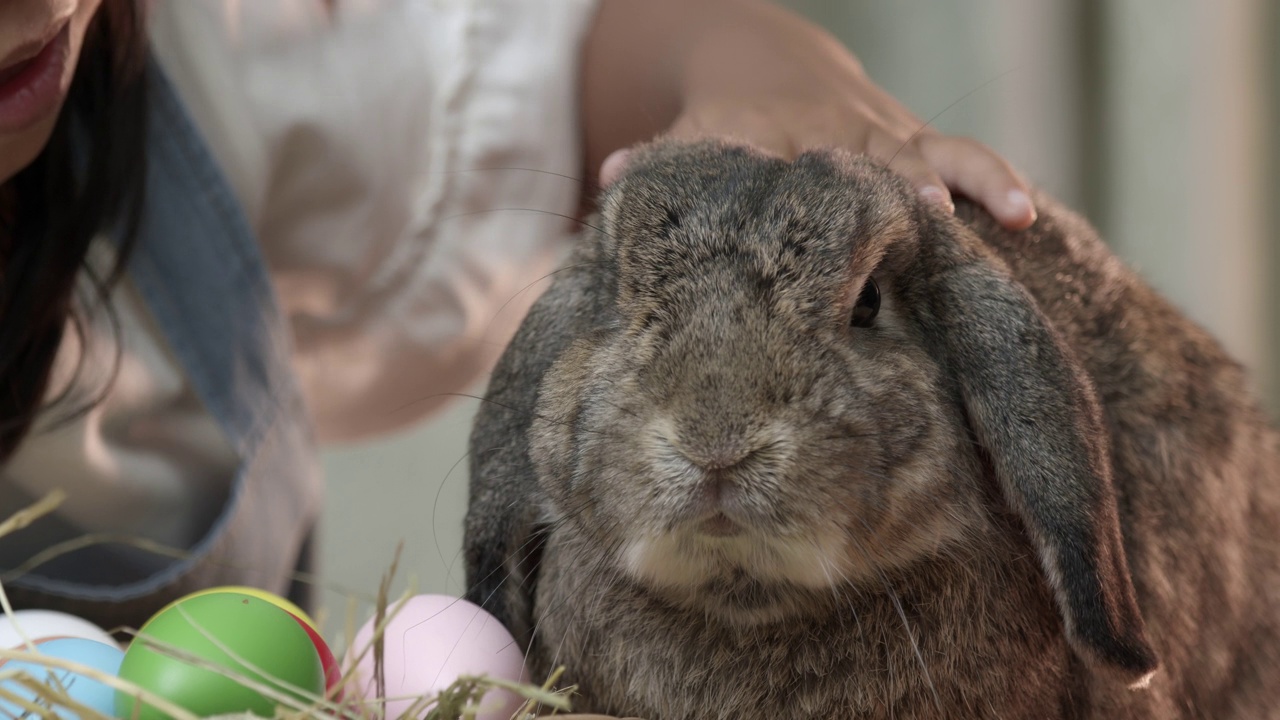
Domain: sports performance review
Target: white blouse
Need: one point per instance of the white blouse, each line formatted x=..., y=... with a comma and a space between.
x=376, y=152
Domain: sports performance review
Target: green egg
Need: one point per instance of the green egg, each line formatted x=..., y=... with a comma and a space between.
x=265, y=637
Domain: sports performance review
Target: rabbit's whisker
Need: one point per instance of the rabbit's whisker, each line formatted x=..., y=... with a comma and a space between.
x=485, y=333
x=462, y=171
x=537, y=211
x=854, y=436
x=593, y=570
x=471, y=396
x=620, y=408
x=435, y=526
x=534, y=537
x=927, y=123
x=843, y=589
x=897, y=604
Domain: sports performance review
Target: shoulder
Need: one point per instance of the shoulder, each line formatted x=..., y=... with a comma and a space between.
x=373, y=150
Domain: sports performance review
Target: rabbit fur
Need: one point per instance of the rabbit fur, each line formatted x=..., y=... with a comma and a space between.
x=1029, y=488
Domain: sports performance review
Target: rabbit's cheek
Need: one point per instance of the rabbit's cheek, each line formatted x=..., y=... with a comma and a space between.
x=922, y=514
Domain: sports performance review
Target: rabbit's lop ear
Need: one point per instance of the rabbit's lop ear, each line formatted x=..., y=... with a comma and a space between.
x=1037, y=415
x=502, y=568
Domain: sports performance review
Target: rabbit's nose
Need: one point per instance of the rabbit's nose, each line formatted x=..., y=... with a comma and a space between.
x=718, y=457
x=711, y=450
x=702, y=449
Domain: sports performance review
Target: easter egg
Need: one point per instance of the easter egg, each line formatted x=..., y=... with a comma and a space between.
x=280, y=602
x=329, y=663
x=42, y=624
x=428, y=644
x=275, y=649
x=332, y=672
x=79, y=688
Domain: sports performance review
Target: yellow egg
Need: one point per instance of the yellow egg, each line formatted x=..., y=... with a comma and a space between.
x=272, y=598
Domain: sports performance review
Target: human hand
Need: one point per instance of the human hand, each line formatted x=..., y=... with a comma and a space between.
x=751, y=71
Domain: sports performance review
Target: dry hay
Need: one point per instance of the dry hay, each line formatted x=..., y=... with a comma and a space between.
x=459, y=700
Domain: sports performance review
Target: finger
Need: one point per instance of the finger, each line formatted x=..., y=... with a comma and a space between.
x=977, y=171
x=904, y=158
x=613, y=166
x=895, y=114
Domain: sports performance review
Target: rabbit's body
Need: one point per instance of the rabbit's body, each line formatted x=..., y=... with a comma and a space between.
x=707, y=497
x=635, y=655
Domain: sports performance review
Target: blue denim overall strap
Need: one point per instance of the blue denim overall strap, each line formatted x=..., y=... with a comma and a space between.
x=202, y=275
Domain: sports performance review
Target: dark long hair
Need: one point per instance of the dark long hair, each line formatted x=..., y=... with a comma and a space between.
x=63, y=203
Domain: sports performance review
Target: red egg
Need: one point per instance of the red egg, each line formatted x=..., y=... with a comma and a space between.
x=332, y=671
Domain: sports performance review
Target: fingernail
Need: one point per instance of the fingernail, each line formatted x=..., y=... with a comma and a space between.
x=1018, y=204
x=935, y=194
x=612, y=166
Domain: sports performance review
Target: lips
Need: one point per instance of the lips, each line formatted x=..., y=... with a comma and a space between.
x=32, y=79
x=13, y=71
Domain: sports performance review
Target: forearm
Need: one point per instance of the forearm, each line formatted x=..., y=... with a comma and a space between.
x=631, y=72
x=646, y=60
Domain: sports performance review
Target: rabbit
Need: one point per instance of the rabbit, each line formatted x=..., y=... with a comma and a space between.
x=783, y=440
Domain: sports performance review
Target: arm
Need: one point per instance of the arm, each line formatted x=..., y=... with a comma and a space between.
x=754, y=71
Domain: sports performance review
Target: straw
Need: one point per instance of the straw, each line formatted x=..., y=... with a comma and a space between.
x=462, y=699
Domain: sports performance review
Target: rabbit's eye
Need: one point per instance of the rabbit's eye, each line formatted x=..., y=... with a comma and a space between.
x=867, y=306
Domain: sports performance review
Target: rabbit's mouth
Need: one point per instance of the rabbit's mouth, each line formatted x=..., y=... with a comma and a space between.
x=718, y=525
x=750, y=548
x=737, y=574
x=718, y=516
x=718, y=545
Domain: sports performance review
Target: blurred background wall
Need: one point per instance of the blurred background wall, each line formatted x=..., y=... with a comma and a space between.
x=1154, y=117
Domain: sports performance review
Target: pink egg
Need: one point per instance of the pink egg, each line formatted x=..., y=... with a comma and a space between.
x=431, y=641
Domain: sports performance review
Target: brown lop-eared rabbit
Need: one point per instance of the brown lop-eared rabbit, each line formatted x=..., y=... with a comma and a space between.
x=783, y=440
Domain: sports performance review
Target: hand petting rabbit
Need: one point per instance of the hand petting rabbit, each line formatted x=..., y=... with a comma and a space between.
x=784, y=440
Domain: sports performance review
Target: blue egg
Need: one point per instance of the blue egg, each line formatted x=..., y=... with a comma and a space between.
x=83, y=690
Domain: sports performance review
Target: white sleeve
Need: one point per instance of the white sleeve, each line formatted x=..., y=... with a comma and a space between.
x=400, y=160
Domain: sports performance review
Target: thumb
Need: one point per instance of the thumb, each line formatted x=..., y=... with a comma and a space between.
x=613, y=166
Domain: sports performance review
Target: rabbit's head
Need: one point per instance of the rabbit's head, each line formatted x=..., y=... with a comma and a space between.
x=808, y=378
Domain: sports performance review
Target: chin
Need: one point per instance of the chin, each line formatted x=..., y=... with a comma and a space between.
x=19, y=150
x=740, y=578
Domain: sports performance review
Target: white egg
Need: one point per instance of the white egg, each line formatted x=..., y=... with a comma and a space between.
x=430, y=642
x=40, y=624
